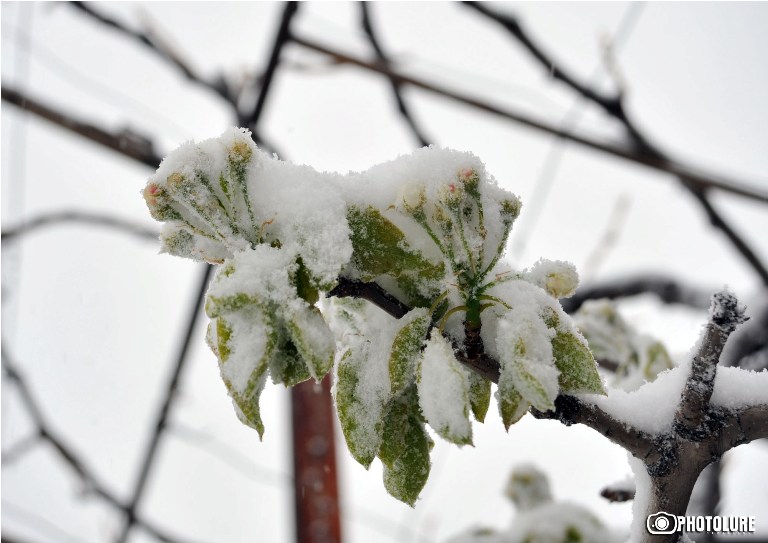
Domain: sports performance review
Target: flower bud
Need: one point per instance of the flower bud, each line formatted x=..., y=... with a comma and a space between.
x=557, y=277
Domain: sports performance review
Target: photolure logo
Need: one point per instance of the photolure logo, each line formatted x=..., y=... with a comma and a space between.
x=663, y=523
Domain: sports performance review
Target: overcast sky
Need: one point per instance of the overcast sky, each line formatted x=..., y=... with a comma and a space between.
x=93, y=317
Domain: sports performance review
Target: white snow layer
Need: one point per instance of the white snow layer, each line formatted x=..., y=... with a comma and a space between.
x=444, y=391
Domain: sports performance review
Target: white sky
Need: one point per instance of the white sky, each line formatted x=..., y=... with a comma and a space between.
x=93, y=318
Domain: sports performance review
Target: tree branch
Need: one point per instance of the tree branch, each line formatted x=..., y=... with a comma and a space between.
x=383, y=59
x=614, y=107
x=668, y=290
x=283, y=36
x=150, y=454
x=78, y=217
x=699, y=177
x=161, y=48
x=81, y=469
x=126, y=142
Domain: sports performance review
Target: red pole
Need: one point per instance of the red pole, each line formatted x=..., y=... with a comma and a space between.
x=314, y=464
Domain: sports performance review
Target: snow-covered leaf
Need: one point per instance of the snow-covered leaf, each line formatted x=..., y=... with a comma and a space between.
x=406, y=348
x=313, y=340
x=479, y=395
x=512, y=405
x=578, y=370
x=362, y=433
x=443, y=386
x=535, y=380
x=379, y=247
x=405, y=448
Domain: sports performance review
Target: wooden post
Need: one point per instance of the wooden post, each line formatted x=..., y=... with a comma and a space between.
x=314, y=464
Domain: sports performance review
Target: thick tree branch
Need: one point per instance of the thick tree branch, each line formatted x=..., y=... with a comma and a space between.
x=743, y=425
x=126, y=142
x=701, y=178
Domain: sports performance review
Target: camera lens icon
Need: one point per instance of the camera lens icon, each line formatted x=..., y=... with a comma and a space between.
x=661, y=523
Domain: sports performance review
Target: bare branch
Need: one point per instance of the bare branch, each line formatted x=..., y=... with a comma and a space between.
x=150, y=454
x=614, y=107
x=126, y=142
x=384, y=59
x=701, y=178
x=743, y=426
x=78, y=217
x=88, y=479
x=251, y=120
x=668, y=290
x=160, y=47
x=571, y=410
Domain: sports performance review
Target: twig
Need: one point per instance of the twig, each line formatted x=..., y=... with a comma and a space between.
x=666, y=289
x=78, y=217
x=384, y=59
x=699, y=177
x=160, y=47
x=127, y=142
x=614, y=107
x=348, y=288
x=89, y=480
x=251, y=120
x=162, y=417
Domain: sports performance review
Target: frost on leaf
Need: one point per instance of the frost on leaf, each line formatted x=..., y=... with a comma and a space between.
x=443, y=387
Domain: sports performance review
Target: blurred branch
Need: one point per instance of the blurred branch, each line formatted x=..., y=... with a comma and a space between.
x=666, y=289
x=78, y=217
x=695, y=176
x=384, y=59
x=88, y=479
x=162, y=48
x=251, y=120
x=131, y=510
x=126, y=142
x=614, y=107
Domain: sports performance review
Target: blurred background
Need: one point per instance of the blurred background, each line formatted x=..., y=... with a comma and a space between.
x=634, y=133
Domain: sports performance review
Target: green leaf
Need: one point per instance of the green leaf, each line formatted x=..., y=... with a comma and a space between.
x=512, y=405
x=313, y=340
x=530, y=381
x=305, y=287
x=361, y=433
x=247, y=404
x=379, y=248
x=479, y=395
x=658, y=360
x=287, y=366
x=406, y=348
x=405, y=448
x=578, y=370
x=246, y=401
